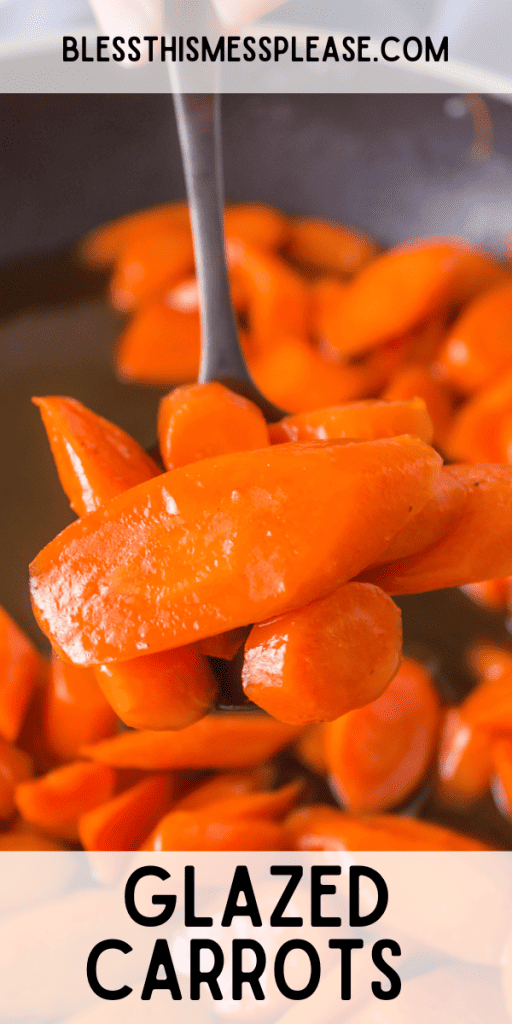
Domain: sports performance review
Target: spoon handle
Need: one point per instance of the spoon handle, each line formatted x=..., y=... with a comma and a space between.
x=198, y=120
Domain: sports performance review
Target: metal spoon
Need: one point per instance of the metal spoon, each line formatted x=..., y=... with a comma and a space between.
x=198, y=120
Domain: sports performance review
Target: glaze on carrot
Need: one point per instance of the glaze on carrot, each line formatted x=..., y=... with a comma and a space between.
x=367, y=421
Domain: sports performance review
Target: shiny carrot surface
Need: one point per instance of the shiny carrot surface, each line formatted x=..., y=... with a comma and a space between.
x=368, y=421
x=20, y=669
x=321, y=827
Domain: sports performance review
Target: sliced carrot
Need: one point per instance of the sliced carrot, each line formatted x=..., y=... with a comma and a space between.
x=166, y=690
x=490, y=661
x=224, y=645
x=15, y=767
x=278, y=299
x=148, y=264
x=480, y=429
x=399, y=290
x=489, y=705
x=273, y=805
x=161, y=345
x=324, y=828
x=229, y=541
x=95, y=459
x=328, y=247
x=225, y=786
x=125, y=821
x=20, y=668
x=104, y=244
x=76, y=711
x=203, y=420
x=478, y=348
x=368, y=421
x=325, y=659
x=258, y=225
x=479, y=545
x=378, y=754
x=464, y=762
x=217, y=741
x=310, y=748
x=188, y=830
x=55, y=801
x=417, y=381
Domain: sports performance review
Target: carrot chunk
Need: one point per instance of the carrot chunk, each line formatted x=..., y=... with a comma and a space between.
x=325, y=659
x=464, y=761
x=224, y=786
x=368, y=421
x=76, y=711
x=55, y=801
x=161, y=345
x=203, y=420
x=105, y=244
x=478, y=348
x=166, y=690
x=223, y=543
x=216, y=741
x=324, y=828
x=188, y=830
x=331, y=248
x=148, y=264
x=124, y=822
x=20, y=668
x=15, y=767
x=95, y=459
x=377, y=755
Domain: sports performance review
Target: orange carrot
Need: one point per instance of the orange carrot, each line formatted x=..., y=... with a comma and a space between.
x=23, y=836
x=489, y=705
x=148, y=264
x=76, y=711
x=125, y=821
x=166, y=690
x=480, y=429
x=20, y=668
x=478, y=348
x=105, y=244
x=203, y=420
x=258, y=225
x=331, y=248
x=95, y=459
x=325, y=659
x=367, y=421
x=310, y=748
x=224, y=786
x=55, y=802
x=161, y=345
x=378, y=754
x=216, y=741
x=278, y=298
x=224, y=645
x=416, y=381
x=188, y=830
x=464, y=762
x=324, y=828
x=489, y=594
x=229, y=541
x=490, y=661
x=15, y=767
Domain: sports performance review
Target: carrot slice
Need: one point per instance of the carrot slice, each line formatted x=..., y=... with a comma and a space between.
x=331, y=248
x=490, y=661
x=203, y=420
x=229, y=541
x=489, y=705
x=377, y=755
x=319, y=662
x=15, y=767
x=124, y=822
x=415, y=381
x=368, y=421
x=478, y=348
x=20, y=668
x=477, y=547
x=224, y=645
x=161, y=345
x=278, y=298
x=148, y=264
x=55, y=802
x=224, y=786
x=76, y=711
x=166, y=690
x=480, y=430
x=95, y=459
x=464, y=762
x=188, y=830
x=216, y=741
x=258, y=225
x=324, y=828
x=105, y=244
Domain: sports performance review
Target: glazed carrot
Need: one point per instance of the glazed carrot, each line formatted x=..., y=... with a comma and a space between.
x=489, y=705
x=15, y=766
x=273, y=805
x=103, y=245
x=464, y=762
x=322, y=827
x=95, y=459
x=161, y=345
x=148, y=264
x=216, y=741
x=439, y=514
x=76, y=711
x=184, y=296
x=478, y=348
x=188, y=830
x=328, y=247
x=203, y=420
x=479, y=545
x=278, y=299
x=399, y=290
x=480, y=429
x=55, y=801
x=310, y=748
x=224, y=786
x=125, y=821
x=502, y=786
x=368, y=421
x=258, y=225
x=224, y=645
x=378, y=754
x=20, y=668
x=229, y=541
x=490, y=661
x=490, y=594
x=23, y=836
x=325, y=659
x=416, y=381
x=166, y=690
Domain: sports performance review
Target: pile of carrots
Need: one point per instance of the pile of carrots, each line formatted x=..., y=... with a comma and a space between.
x=276, y=549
